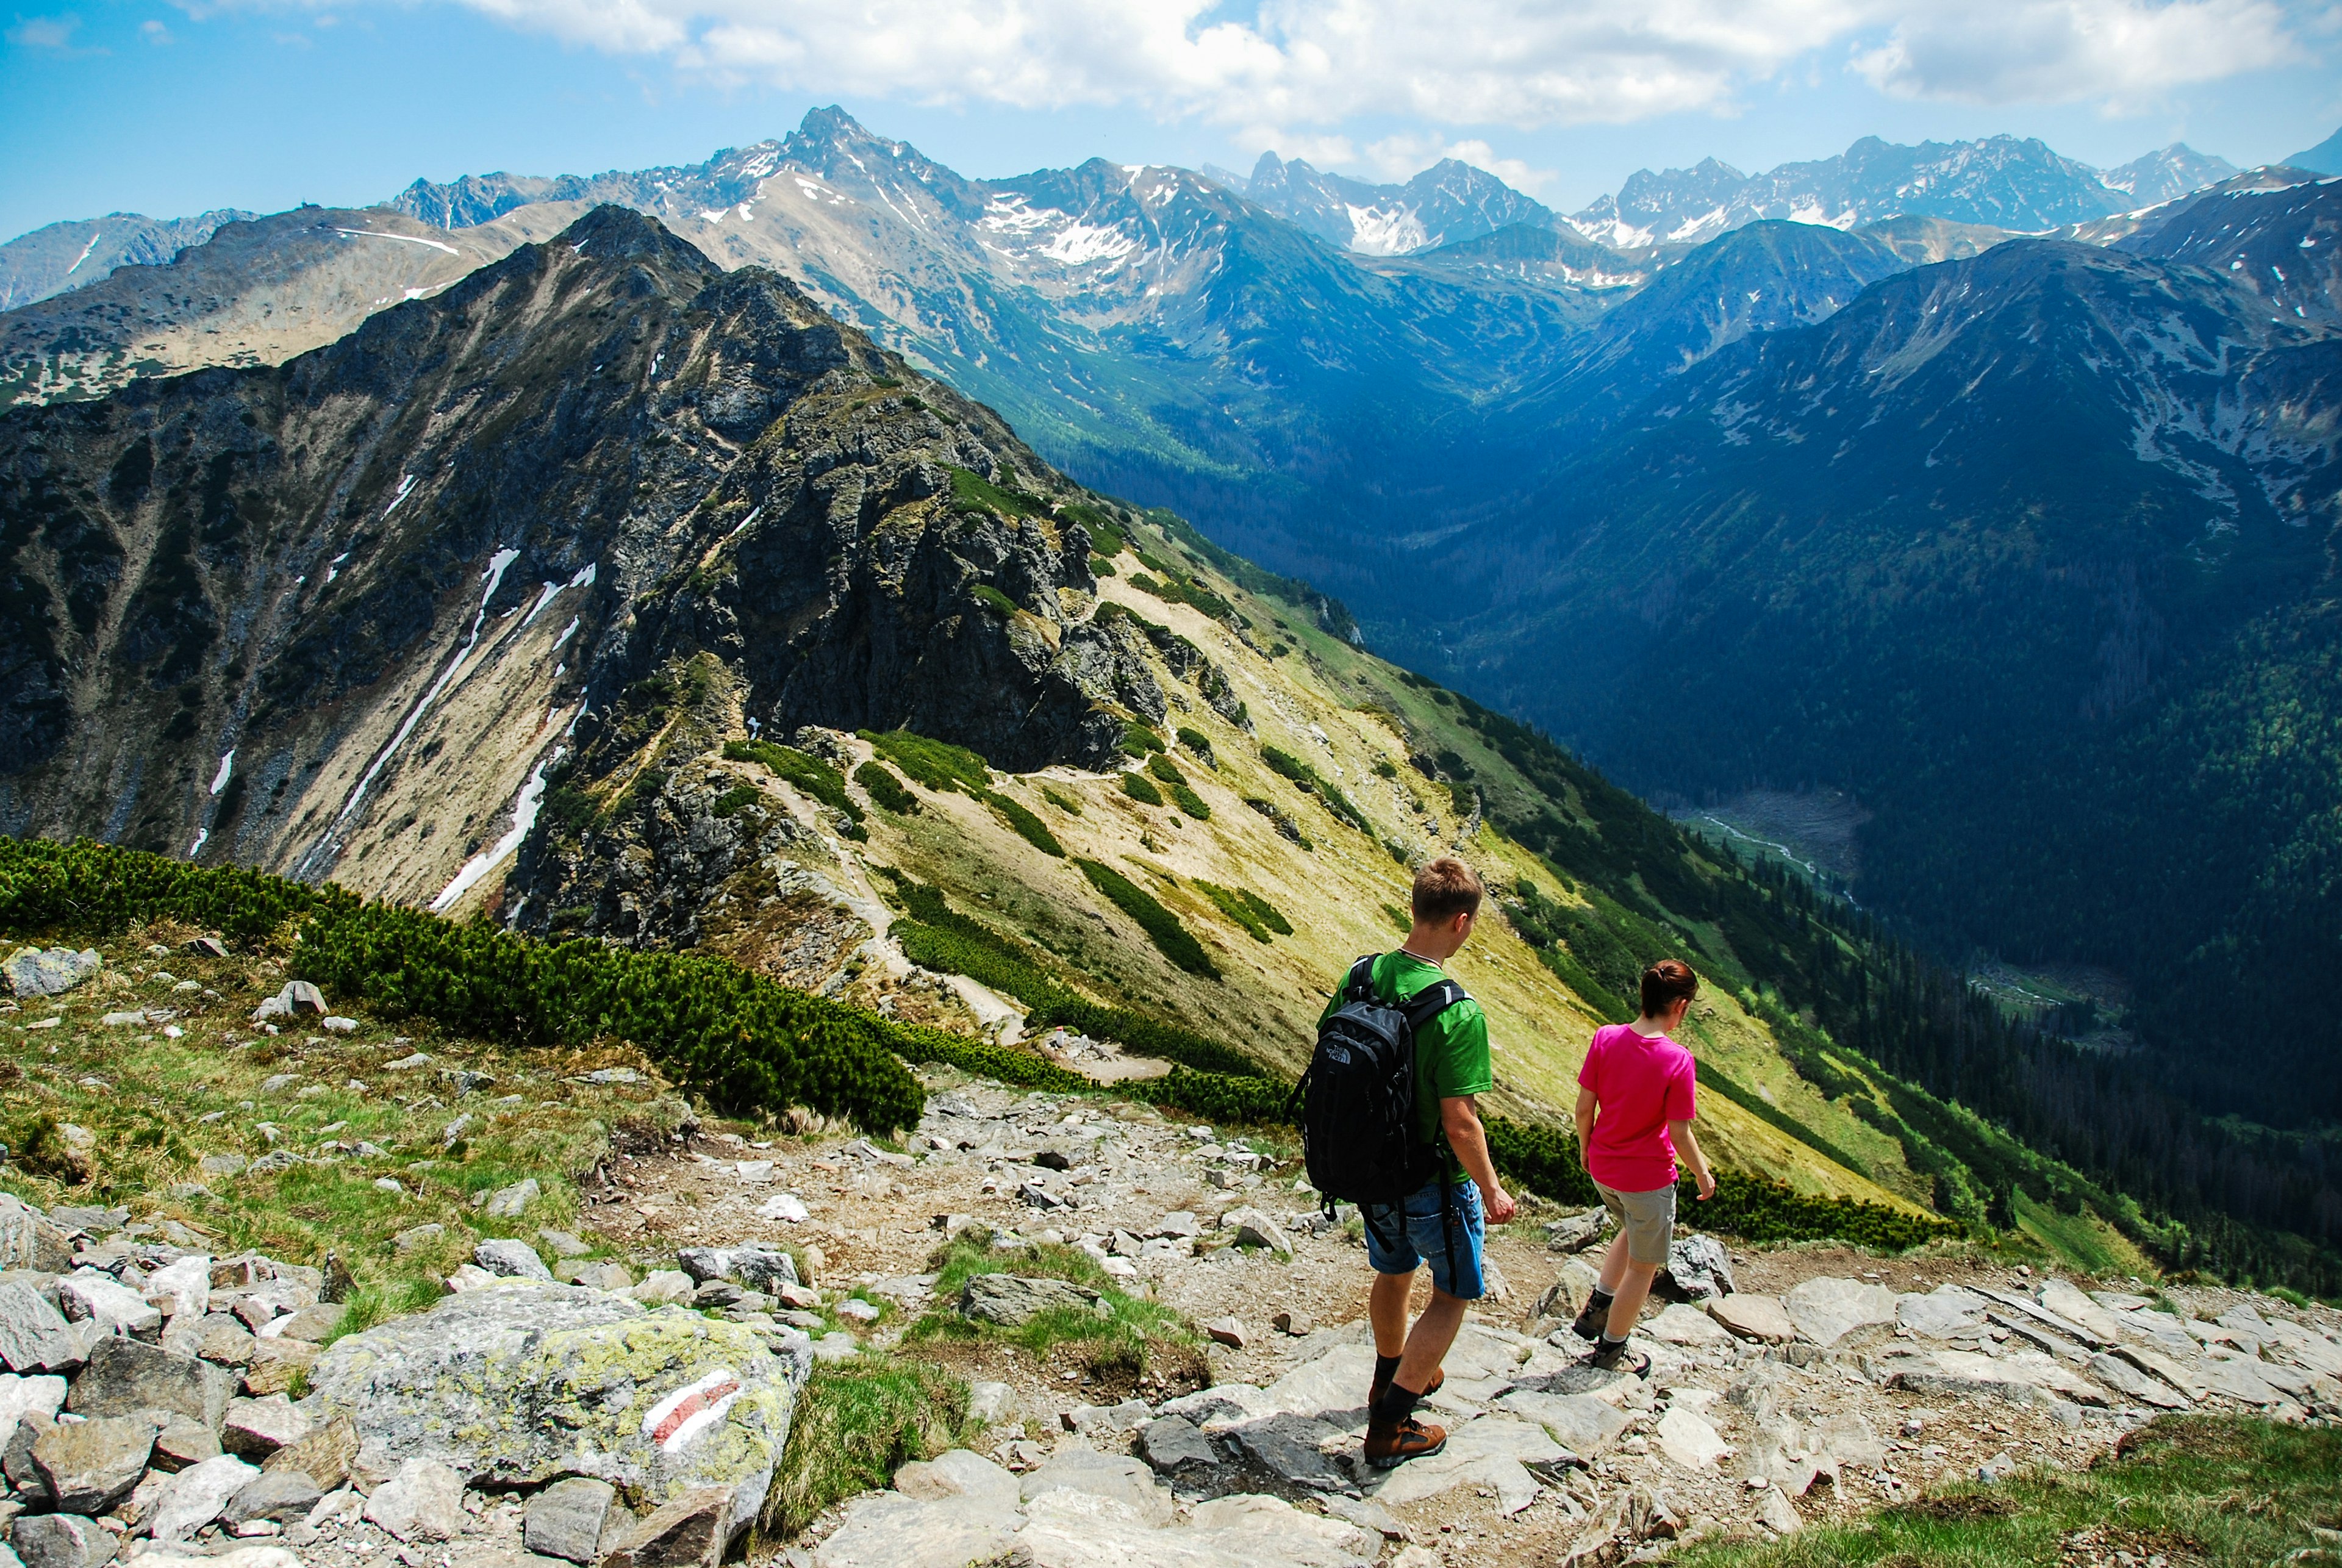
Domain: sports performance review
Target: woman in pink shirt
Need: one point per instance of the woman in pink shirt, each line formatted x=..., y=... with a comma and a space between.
x=1635, y=1109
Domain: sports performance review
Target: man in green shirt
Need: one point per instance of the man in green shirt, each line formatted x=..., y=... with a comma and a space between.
x=1442, y=1223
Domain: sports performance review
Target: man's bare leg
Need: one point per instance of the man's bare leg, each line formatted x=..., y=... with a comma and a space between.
x=1428, y=1340
x=1387, y=1309
x=1626, y=1304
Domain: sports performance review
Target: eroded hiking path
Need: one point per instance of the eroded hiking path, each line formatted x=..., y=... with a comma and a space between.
x=1828, y=1384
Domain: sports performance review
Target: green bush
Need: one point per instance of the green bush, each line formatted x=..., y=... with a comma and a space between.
x=1309, y=782
x=1140, y=788
x=731, y=802
x=1138, y=739
x=1249, y=910
x=1161, y=927
x=1200, y=744
x=1187, y=799
x=938, y=765
x=1101, y=567
x=803, y=769
x=1070, y=804
x=1028, y=826
x=1106, y=535
x=879, y=783
x=737, y=1040
x=973, y=492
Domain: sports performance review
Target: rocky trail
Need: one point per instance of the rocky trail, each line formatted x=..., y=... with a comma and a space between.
x=1161, y=1337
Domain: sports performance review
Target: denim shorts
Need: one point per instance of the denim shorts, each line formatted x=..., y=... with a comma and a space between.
x=1402, y=1237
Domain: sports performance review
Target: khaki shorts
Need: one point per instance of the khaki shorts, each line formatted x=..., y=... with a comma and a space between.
x=1647, y=1220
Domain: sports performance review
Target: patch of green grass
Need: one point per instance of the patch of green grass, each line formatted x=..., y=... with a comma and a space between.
x=1141, y=788
x=937, y=765
x=1021, y=820
x=2192, y=1488
x=998, y=603
x=1101, y=567
x=856, y=1423
x=1250, y=910
x=803, y=769
x=1126, y=1335
x=1064, y=803
x=1138, y=739
x=732, y=801
x=1308, y=780
x=1172, y=940
x=885, y=790
x=973, y=492
x=2079, y=1239
x=1398, y=918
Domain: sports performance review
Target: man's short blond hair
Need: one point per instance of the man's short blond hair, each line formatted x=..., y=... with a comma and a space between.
x=1446, y=889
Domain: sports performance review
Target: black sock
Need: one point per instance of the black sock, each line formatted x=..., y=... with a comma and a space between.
x=1386, y=1368
x=1601, y=1299
x=1397, y=1404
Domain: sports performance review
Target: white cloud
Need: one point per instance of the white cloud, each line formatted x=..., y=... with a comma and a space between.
x=2117, y=52
x=155, y=32
x=1278, y=72
x=44, y=32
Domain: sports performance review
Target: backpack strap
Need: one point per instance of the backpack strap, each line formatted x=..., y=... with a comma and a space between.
x=1432, y=1000
x=1360, y=984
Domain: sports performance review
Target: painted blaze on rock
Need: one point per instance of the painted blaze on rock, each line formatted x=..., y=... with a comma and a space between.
x=522, y=1382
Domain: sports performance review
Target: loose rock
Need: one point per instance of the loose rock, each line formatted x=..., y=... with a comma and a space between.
x=565, y=1520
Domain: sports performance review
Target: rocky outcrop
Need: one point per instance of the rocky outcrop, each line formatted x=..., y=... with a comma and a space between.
x=291, y=615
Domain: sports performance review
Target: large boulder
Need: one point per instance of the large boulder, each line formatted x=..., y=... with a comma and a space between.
x=34, y=1336
x=1012, y=1301
x=128, y=1376
x=1699, y=1269
x=29, y=1240
x=518, y=1385
x=50, y=972
x=88, y=1466
x=1827, y=1309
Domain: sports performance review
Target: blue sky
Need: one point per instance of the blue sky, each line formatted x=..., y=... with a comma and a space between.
x=170, y=109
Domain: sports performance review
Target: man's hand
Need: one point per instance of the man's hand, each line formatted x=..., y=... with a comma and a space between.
x=1707, y=1180
x=1498, y=1205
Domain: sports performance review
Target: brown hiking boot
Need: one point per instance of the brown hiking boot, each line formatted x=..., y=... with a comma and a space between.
x=1382, y=1386
x=1394, y=1442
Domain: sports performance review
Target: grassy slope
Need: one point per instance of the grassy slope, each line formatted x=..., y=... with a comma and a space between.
x=1335, y=895
x=2187, y=1490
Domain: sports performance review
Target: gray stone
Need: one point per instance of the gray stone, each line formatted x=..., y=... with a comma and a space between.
x=511, y=1260
x=1249, y=1227
x=1700, y=1268
x=50, y=972
x=1179, y=1226
x=511, y=1203
x=755, y=1267
x=690, y=1531
x=1685, y=1325
x=183, y=1442
x=1947, y=1312
x=257, y=1428
x=892, y=1530
x=275, y=1362
x=314, y=1323
x=658, y=1404
x=16, y=1464
x=219, y=1337
x=2237, y=1377
x=61, y=1541
x=195, y=1496
x=1827, y=1309
x=1116, y=1478
x=565, y=1520
x=1226, y=1331
x=1170, y=1444
x=182, y=1289
x=34, y=1336
x=1579, y=1232
x=957, y=1472
x=1012, y=1301
x=1220, y=1406
x=2136, y=1386
x=1687, y=1438
x=91, y=1295
x=1776, y=1513
x=993, y=1405
x=88, y=1466
x=36, y=1398
x=422, y=1501
x=125, y=1376
x=1580, y=1422
x=29, y=1240
x=283, y=1495
x=1294, y=1449
x=324, y=1455
x=564, y=1245
x=1754, y=1317
x=1108, y=1420
x=415, y=1236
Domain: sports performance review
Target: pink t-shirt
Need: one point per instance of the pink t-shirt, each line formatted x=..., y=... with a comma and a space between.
x=1641, y=1082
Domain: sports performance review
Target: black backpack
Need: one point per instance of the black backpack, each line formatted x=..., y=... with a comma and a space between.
x=1357, y=1098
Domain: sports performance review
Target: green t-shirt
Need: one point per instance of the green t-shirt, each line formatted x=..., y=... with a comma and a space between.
x=1451, y=1051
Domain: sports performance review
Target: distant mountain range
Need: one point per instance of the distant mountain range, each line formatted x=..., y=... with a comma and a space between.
x=2025, y=543
x=78, y=253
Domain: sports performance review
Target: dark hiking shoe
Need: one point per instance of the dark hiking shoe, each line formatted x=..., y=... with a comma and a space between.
x=1390, y=1444
x=1616, y=1357
x=1382, y=1386
x=1594, y=1319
